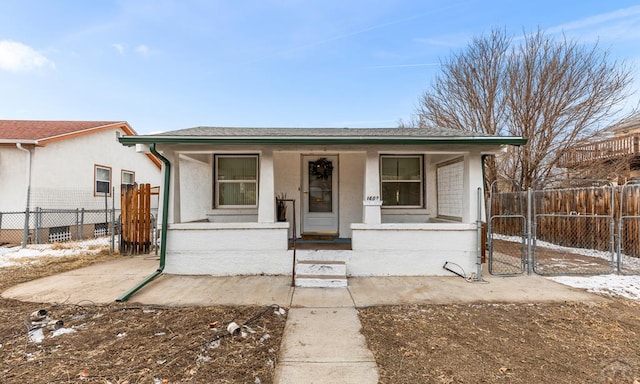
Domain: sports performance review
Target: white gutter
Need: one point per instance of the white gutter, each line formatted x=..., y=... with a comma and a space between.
x=25, y=233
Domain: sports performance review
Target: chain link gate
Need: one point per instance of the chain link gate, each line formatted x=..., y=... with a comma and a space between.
x=507, y=244
x=573, y=228
x=628, y=241
x=567, y=227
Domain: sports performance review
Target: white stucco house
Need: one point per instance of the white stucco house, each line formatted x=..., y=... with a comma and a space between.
x=65, y=165
x=400, y=201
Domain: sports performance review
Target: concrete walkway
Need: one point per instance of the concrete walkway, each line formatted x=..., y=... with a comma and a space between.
x=322, y=341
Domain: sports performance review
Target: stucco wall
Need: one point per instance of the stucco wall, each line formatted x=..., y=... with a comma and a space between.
x=196, y=200
x=13, y=179
x=227, y=249
x=378, y=250
x=68, y=165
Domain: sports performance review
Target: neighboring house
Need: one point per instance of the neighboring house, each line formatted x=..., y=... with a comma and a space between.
x=405, y=201
x=616, y=157
x=66, y=165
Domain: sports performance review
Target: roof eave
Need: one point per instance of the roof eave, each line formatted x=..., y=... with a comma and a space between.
x=120, y=124
x=18, y=141
x=336, y=140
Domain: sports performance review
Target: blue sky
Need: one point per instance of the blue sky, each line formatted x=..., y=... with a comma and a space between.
x=171, y=64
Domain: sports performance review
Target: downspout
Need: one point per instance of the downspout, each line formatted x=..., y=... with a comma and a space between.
x=163, y=227
x=25, y=231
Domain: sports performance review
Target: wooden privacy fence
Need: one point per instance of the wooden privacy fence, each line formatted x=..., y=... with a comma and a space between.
x=574, y=217
x=135, y=235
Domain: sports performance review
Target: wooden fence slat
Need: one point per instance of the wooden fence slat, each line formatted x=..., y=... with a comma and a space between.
x=135, y=219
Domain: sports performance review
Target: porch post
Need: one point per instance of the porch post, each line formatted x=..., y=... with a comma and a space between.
x=472, y=181
x=371, y=212
x=266, y=193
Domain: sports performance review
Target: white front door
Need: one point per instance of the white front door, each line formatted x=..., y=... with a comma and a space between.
x=320, y=194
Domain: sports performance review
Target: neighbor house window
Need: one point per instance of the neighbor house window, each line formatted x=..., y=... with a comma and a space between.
x=102, y=176
x=449, y=180
x=402, y=181
x=128, y=177
x=236, y=179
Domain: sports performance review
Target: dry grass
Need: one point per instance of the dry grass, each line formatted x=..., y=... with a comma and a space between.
x=125, y=343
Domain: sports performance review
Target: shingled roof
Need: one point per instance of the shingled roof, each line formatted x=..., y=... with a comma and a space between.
x=231, y=135
x=39, y=132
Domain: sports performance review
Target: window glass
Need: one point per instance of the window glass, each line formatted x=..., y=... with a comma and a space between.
x=103, y=180
x=402, y=183
x=236, y=181
x=128, y=178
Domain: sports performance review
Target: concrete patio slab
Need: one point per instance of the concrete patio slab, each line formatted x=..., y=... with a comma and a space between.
x=369, y=291
x=103, y=283
x=178, y=290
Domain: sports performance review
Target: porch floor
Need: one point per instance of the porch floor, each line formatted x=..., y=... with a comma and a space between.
x=338, y=243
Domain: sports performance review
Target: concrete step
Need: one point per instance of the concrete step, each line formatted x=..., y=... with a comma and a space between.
x=321, y=281
x=321, y=274
x=315, y=267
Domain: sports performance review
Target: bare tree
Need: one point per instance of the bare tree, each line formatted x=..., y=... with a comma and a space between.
x=552, y=92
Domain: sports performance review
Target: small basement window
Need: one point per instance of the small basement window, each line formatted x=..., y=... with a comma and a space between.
x=58, y=234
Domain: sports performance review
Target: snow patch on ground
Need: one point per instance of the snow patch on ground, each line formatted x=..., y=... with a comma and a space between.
x=612, y=285
x=10, y=256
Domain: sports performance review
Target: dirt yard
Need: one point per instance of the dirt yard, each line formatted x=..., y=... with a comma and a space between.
x=129, y=343
x=482, y=343
x=506, y=343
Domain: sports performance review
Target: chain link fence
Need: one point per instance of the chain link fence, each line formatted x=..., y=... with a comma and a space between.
x=507, y=224
x=628, y=241
x=574, y=228
x=66, y=216
x=567, y=227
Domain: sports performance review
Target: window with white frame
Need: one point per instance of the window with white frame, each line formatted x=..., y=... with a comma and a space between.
x=128, y=177
x=102, y=177
x=236, y=181
x=449, y=176
x=402, y=181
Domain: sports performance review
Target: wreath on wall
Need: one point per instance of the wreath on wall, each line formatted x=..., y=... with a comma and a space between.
x=321, y=168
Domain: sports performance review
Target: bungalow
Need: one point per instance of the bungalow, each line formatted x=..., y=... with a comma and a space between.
x=401, y=201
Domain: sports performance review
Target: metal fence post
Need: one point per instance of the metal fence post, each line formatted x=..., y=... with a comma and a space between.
x=36, y=225
x=529, y=230
x=113, y=220
x=478, y=237
x=77, y=224
x=82, y=223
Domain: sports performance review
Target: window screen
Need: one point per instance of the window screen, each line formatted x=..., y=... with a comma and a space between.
x=450, y=189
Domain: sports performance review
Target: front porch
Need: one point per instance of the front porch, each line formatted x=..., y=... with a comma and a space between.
x=403, y=201
x=409, y=249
